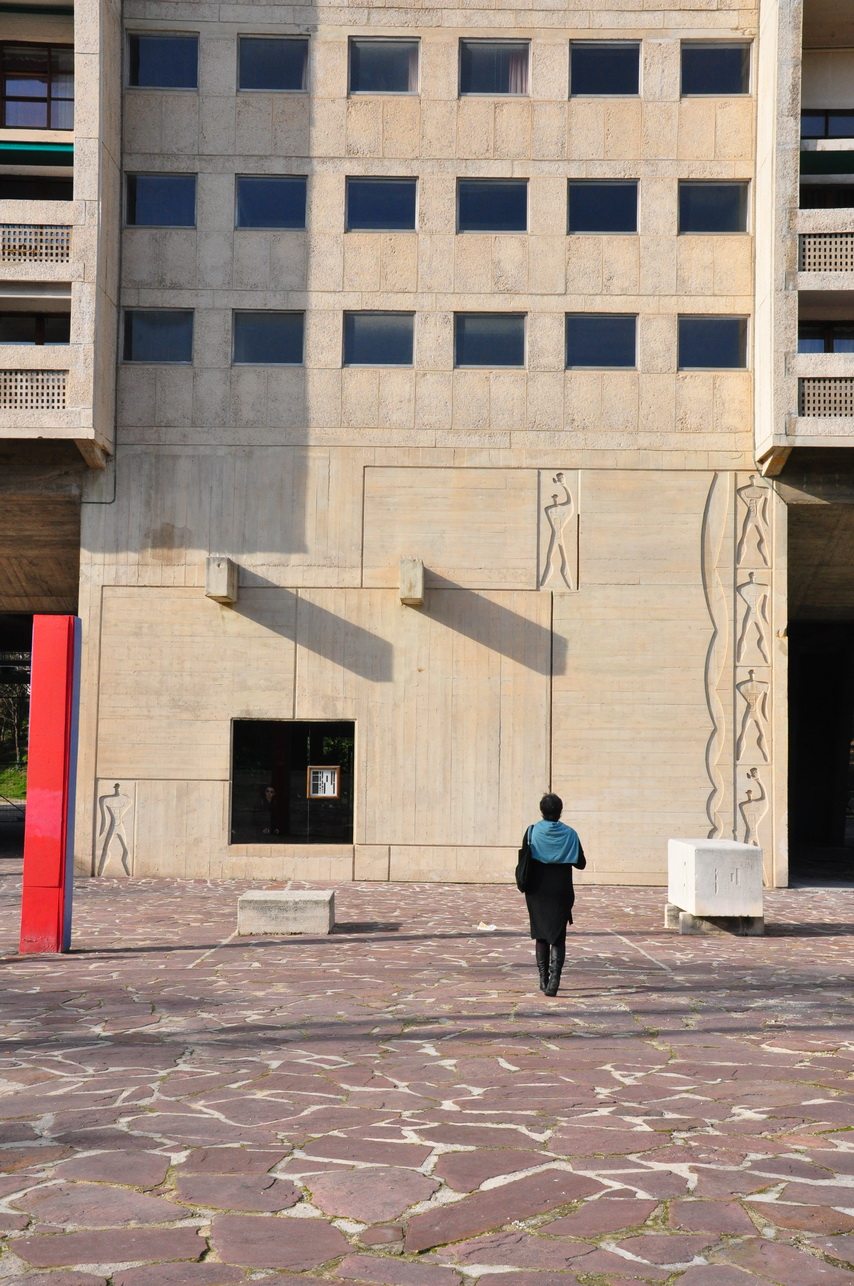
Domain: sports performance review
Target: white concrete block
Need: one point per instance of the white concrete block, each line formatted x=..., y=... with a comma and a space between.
x=412, y=582
x=221, y=579
x=266, y=911
x=714, y=877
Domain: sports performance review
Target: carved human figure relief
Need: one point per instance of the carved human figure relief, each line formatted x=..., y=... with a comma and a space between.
x=752, y=639
x=752, y=540
x=753, y=807
x=559, y=566
x=751, y=740
x=112, y=837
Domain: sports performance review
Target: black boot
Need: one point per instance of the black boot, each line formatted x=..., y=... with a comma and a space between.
x=557, y=953
x=542, y=949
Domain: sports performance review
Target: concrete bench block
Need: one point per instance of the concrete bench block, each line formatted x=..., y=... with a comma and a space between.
x=713, y=880
x=280, y=911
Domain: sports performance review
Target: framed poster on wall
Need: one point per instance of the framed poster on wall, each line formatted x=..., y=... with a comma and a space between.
x=323, y=781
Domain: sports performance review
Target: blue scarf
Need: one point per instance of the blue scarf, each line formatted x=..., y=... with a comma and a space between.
x=554, y=842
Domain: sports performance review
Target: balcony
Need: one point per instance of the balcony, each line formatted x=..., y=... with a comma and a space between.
x=825, y=407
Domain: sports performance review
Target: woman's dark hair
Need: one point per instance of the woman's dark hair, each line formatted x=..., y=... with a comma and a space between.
x=551, y=807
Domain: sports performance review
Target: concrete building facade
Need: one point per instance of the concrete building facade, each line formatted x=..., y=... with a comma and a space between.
x=470, y=438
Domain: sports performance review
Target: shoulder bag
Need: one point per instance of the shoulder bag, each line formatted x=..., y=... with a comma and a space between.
x=523, y=866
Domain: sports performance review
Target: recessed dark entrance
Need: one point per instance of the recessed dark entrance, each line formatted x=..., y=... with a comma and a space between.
x=16, y=632
x=292, y=782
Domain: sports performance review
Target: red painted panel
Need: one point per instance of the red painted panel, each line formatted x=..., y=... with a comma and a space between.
x=45, y=924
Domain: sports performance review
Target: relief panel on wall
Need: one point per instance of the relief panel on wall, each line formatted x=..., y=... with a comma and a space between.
x=558, y=529
x=115, y=812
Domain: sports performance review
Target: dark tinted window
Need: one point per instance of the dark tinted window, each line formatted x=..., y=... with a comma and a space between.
x=712, y=207
x=712, y=343
x=826, y=337
x=161, y=200
x=492, y=205
x=270, y=201
x=158, y=335
x=381, y=204
x=827, y=196
x=268, y=339
x=600, y=339
x=715, y=68
x=816, y=123
x=163, y=62
x=271, y=62
x=383, y=66
x=35, y=328
x=35, y=188
x=489, y=339
x=378, y=339
x=494, y=66
x=601, y=67
x=36, y=86
x=603, y=207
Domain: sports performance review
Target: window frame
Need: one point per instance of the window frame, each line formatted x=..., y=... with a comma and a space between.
x=599, y=366
x=160, y=174
x=626, y=44
x=161, y=89
x=373, y=366
x=603, y=232
x=827, y=113
x=492, y=40
x=251, y=89
x=707, y=317
x=257, y=227
x=268, y=312
x=713, y=183
x=382, y=93
x=491, y=312
x=381, y=178
x=493, y=232
x=719, y=44
x=146, y=361
x=38, y=319
x=827, y=336
x=49, y=98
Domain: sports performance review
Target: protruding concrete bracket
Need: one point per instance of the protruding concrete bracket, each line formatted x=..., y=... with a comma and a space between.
x=412, y=582
x=773, y=462
x=221, y=579
x=92, y=452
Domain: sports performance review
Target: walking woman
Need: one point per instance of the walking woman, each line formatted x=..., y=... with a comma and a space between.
x=555, y=850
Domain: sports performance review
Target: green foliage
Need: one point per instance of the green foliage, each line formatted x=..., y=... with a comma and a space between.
x=13, y=782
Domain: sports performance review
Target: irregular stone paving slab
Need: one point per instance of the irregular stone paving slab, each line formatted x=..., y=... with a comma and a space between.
x=136, y=1169
x=253, y=1242
x=371, y=1195
x=231, y=1161
x=207, y=1274
x=786, y=1264
x=466, y=1171
x=607, y=1215
x=92, y=1205
x=110, y=1246
x=56, y=1279
x=256, y=1192
x=394, y=1272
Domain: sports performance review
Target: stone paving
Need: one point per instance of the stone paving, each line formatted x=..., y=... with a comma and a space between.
x=398, y=1104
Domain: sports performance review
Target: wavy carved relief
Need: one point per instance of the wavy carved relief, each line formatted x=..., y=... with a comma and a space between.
x=713, y=532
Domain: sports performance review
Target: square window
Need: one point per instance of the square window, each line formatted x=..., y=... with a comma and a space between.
x=270, y=201
x=712, y=343
x=163, y=61
x=494, y=66
x=489, y=339
x=272, y=62
x=158, y=335
x=35, y=328
x=379, y=66
x=378, y=339
x=609, y=206
x=603, y=68
x=715, y=68
x=36, y=86
x=161, y=201
x=601, y=339
x=712, y=207
x=492, y=205
x=292, y=782
x=381, y=205
x=268, y=338
x=811, y=337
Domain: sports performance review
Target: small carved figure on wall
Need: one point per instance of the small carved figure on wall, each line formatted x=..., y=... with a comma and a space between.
x=754, y=595
x=754, y=693
x=112, y=811
x=558, y=514
x=753, y=524
x=752, y=808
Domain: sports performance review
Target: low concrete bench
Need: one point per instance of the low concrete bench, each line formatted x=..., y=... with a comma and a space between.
x=281, y=911
x=714, y=885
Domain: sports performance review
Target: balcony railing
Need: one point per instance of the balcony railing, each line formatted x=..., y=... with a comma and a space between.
x=34, y=243
x=33, y=390
x=826, y=396
x=826, y=252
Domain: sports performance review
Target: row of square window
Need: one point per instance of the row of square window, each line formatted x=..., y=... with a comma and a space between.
x=388, y=65
x=390, y=204
x=607, y=340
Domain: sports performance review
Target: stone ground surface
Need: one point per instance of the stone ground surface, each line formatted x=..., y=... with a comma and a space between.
x=398, y=1104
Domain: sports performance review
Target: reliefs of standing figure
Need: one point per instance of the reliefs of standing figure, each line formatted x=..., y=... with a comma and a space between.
x=753, y=636
x=558, y=530
x=752, y=742
x=752, y=539
x=112, y=840
x=752, y=807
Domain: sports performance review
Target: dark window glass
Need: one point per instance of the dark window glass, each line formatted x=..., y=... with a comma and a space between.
x=603, y=207
x=492, y=205
x=378, y=339
x=276, y=798
x=163, y=62
x=816, y=123
x=381, y=204
x=494, y=66
x=161, y=200
x=602, y=67
x=826, y=337
x=827, y=196
x=35, y=328
x=270, y=201
x=712, y=207
x=489, y=339
x=383, y=66
x=840, y=124
x=600, y=339
x=35, y=188
x=158, y=335
x=271, y=62
x=268, y=339
x=715, y=68
x=707, y=343
x=36, y=86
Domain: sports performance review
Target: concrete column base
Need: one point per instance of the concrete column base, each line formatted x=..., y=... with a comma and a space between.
x=750, y=926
